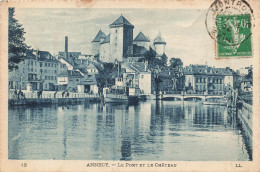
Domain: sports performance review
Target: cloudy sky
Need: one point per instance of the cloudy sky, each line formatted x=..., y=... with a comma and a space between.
x=183, y=30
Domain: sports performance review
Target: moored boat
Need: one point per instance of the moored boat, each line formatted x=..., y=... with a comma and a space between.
x=117, y=94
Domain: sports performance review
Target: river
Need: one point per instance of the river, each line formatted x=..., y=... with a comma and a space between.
x=151, y=130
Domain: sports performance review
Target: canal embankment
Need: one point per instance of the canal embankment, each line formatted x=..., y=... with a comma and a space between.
x=244, y=114
x=50, y=97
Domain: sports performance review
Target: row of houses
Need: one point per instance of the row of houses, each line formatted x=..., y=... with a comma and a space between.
x=41, y=71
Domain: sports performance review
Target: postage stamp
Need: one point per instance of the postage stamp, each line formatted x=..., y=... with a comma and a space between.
x=234, y=35
x=129, y=85
x=229, y=24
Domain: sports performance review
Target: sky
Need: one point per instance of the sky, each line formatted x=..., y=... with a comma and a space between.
x=183, y=30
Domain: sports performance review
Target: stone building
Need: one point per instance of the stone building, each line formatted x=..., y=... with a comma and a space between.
x=141, y=41
x=159, y=45
x=119, y=43
x=137, y=74
x=211, y=80
x=95, y=44
x=39, y=69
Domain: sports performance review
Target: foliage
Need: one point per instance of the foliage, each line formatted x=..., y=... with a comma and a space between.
x=250, y=73
x=153, y=61
x=175, y=63
x=164, y=59
x=16, y=46
x=106, y=75
x=149, y=56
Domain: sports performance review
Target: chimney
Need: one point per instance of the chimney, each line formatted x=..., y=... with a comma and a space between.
x=66, y=47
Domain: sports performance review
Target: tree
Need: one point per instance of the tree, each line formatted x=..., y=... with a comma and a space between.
x=106, y=75
x=175, y=62
x=16, y=46
x=150, y=55
x=164, y=59
x=250, y=73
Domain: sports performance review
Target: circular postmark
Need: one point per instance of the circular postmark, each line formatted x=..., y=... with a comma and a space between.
x=229, y=22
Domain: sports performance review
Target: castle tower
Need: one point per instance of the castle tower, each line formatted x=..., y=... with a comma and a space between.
x=121, y=39
x=95, y=44
x=142, y=41
x=159, y=44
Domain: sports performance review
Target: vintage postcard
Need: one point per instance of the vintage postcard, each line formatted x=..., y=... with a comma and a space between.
x=129, y=85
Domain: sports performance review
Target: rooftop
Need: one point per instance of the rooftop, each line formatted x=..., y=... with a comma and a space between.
x=99, y=35
x=135, y=66
x=159, y=39
x=121, y=21
x=141, y=38
x=207, y=70
x=107, y=39
x=71, y=73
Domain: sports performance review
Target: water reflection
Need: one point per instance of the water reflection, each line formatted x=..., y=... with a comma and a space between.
x=155, y=130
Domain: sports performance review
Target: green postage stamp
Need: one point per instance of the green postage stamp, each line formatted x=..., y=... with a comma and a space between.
x=230, y=24
x=234, y=35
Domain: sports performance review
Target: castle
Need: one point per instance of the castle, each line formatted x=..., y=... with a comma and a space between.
x=119, y=43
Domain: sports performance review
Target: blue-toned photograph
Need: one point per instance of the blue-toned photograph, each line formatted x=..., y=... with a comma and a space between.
x=124, y=85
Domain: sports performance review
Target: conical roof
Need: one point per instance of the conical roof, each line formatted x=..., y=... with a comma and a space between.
x=99, y=35
x=141, y=38
x=121, y=21
x=159, y=39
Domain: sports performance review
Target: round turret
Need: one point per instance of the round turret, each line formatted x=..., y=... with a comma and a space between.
x=159, y=44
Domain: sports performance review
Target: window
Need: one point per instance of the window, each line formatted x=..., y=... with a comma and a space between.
x=31, y=69
x=45, y=64
x=49, y=64
x=46, y=78
x=142, y=76
x=55, y=77
x=32, y=63
x=40, y=64
x=51, y=77
x=55, y=71
x=116, y=31
x=204, y=80
x=55, y=65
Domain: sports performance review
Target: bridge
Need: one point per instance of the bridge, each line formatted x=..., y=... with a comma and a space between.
x=188, y=96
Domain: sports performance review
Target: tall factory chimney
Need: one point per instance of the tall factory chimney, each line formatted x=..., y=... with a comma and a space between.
x=66, y=47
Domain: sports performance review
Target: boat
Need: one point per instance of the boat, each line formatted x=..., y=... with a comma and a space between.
x=117, y=94
x=215, y=101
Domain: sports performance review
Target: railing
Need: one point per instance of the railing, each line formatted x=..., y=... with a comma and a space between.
x=50, y=95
